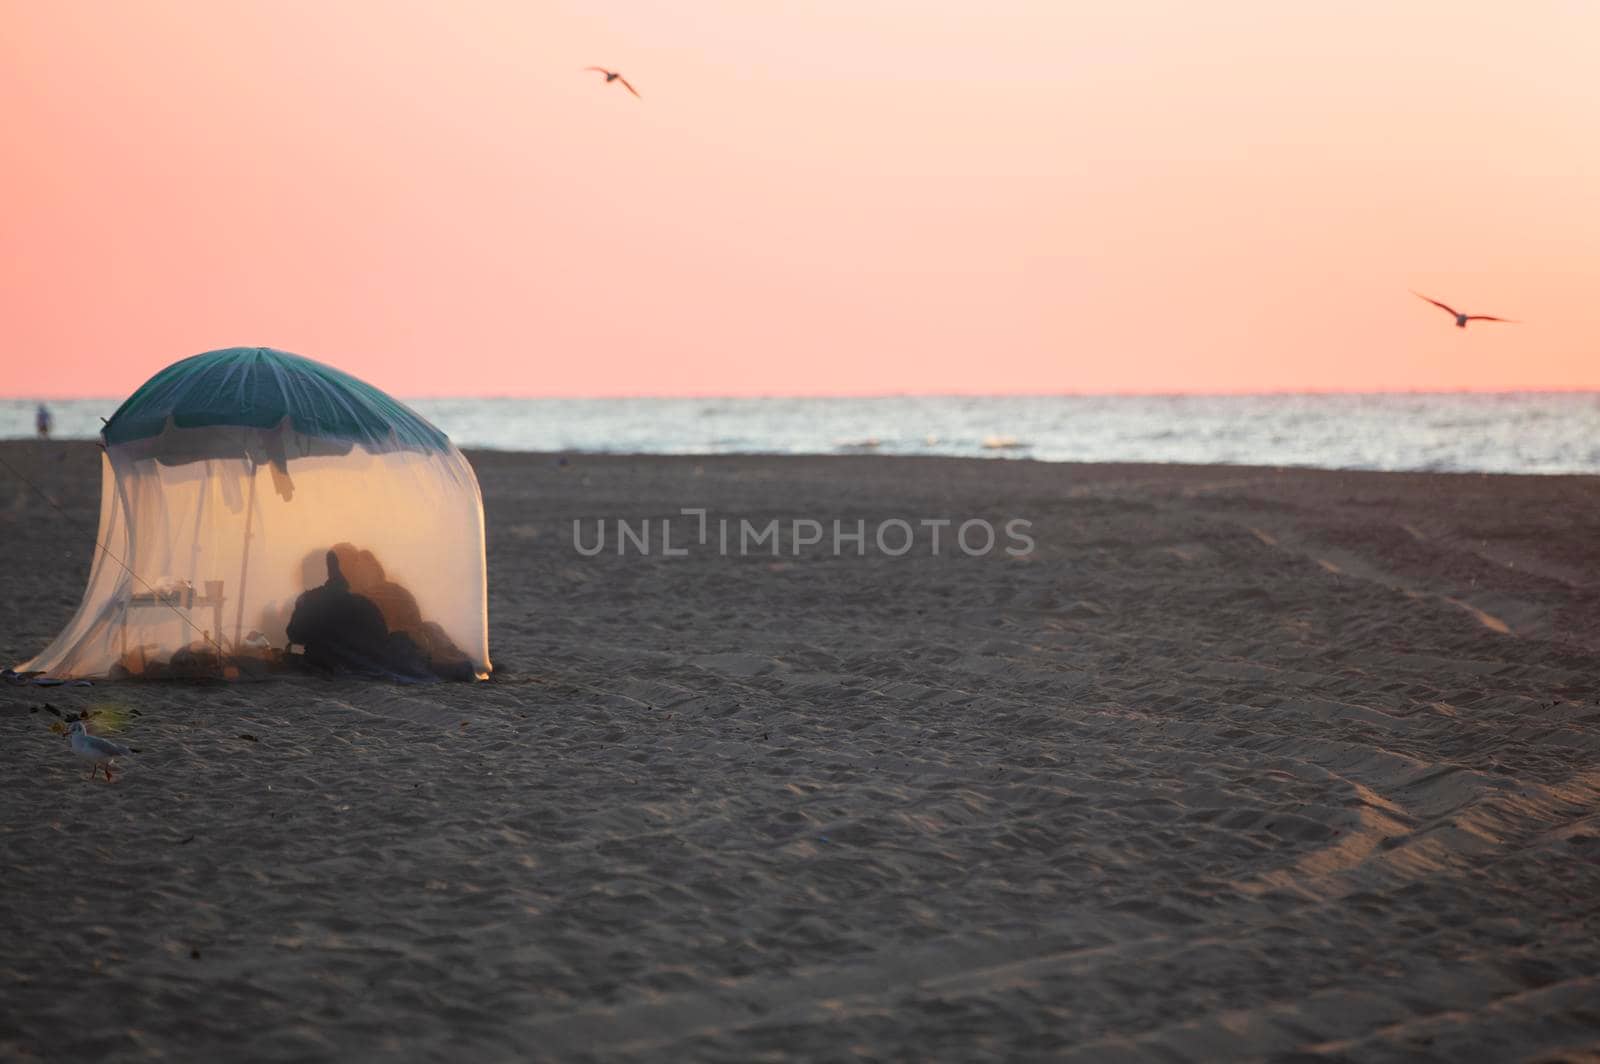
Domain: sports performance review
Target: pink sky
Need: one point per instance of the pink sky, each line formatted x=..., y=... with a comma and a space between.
x=828, y=196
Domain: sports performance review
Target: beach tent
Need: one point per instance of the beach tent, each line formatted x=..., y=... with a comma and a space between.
x=227, y=481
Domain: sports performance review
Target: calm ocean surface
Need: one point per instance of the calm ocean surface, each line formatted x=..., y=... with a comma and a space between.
x=1511, y=433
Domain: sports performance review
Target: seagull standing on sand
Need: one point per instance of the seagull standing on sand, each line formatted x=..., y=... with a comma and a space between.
x=612, y=75
x=100, y=751
x=1461, y=319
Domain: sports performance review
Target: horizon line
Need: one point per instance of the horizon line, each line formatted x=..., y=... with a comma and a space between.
x=766, y=396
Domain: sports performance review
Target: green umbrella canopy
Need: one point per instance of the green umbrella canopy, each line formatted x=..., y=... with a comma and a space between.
x=258, y=387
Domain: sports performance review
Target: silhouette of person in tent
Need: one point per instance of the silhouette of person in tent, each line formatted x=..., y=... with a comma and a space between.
x=415, y=647
x=339, y=630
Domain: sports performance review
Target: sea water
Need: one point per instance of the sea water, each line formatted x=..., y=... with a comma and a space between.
x=1467, y=432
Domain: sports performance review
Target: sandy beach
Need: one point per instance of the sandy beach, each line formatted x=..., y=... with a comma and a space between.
x=1234, y=763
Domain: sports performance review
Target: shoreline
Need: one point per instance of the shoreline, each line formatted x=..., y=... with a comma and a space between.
x=1001, y=455
x=1514, y=433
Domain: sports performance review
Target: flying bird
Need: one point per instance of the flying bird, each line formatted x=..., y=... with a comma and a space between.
x=1461, y=319
x=93, y=748
x=612, y=75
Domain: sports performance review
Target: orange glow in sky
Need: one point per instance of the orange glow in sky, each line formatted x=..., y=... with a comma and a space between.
x=819, y=197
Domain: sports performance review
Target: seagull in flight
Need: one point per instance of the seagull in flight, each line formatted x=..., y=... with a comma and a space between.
x=1461, y=319
x=612, y=75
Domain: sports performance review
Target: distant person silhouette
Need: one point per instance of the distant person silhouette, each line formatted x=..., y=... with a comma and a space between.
x=340, y=630
x=43, y=421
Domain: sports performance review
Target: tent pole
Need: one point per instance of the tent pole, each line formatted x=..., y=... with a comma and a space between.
x=194, y=551
x=244, y=563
